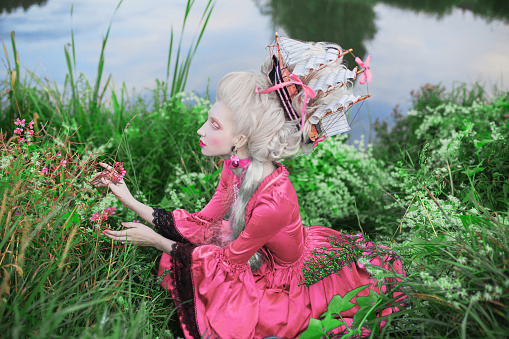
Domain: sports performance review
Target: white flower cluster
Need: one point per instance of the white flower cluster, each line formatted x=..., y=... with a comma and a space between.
x=175, y=199
x=195, y=100
x=495, y=132
x=108, y=201
x=5, y=161
x=183, y=179
x=200, y=204
x=70, y=128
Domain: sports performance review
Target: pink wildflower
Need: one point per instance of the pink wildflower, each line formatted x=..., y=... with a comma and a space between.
x=20, y=122
x=31, y=132
x=63, y=162
x=58, y=155
x=21, y=140
x=136, y=220
x=31, y=124
x=118, y=167
x=95, y=217
x=45, y=170
x=107, y=212
x=18, y=130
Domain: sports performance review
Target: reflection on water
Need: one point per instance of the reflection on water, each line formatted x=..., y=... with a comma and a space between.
x=347, y=23
x=412, y=42
x=9, y=6
x=351, y=23
x=355, y=24
x=487, y=9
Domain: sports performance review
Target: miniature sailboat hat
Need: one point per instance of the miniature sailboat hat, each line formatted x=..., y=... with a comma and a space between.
x=315, y=70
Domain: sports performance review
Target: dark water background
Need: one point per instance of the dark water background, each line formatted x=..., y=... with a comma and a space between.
x=412, y=42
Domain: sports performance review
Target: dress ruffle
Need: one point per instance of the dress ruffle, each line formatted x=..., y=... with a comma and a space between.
x=230, y=301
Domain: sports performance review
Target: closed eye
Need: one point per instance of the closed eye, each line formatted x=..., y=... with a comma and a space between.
x=215, y=125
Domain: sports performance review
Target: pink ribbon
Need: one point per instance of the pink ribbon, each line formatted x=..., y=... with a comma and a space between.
x=296, y=80
x=243, y=163
x=317, y=141
x=366, y=75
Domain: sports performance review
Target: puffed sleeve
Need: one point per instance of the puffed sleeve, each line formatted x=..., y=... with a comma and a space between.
x=271, y=214
x=182, y=226
x=213, y=285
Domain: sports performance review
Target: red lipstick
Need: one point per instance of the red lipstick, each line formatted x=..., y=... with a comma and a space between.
x=202, y=144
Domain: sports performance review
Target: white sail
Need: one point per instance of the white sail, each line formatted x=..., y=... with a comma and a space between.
x=303, y=67
x=336, y=123
x=331, y=80
x=292, y=50
x=344, y=102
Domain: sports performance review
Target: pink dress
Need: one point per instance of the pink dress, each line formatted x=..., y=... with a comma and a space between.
x=213, y=286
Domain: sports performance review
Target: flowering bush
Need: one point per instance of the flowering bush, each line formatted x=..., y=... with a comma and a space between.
x=51, y=253
x=450, y=190
x=340, y=186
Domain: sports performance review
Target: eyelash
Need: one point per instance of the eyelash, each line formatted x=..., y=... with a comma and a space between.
x=214, y=125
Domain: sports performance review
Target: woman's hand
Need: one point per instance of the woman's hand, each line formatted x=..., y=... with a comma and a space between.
x=117, y=187
x=136, y=234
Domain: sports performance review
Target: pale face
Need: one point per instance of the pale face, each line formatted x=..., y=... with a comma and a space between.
x=217, y=133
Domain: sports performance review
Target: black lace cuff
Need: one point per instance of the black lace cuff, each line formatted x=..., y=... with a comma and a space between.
x=165, y=225
x=183, y=290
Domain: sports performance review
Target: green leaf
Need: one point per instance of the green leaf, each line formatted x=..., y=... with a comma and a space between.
x=368, y=300
x=480, y=144
x=75, y=218
x=340, y=304
x=315, y=330
x=165, y=203
x=468, y=220
x=473, y=171
x=330, y=323
x=366, y=310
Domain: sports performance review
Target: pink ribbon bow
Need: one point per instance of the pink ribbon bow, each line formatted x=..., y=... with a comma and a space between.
x=317, y=141
x=296, y=80
x=367, y=72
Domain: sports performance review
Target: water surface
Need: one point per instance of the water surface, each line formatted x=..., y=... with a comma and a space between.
x=431, y=42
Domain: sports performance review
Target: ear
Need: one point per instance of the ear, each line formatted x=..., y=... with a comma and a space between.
x=242, y=141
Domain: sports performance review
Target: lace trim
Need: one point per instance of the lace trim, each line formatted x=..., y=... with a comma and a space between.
x=183, y=288
x=165, y=225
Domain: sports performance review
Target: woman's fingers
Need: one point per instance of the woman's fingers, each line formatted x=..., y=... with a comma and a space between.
x=118, y=235
x=103, y=178
x=108, y=167
x=130, y=224
x=99, y=181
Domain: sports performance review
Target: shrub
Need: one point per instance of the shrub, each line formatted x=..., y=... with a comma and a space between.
x=340, y=186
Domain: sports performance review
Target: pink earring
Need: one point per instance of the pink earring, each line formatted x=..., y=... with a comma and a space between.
x=234, y=158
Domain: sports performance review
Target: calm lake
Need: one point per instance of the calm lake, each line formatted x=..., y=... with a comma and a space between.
x=412, y=42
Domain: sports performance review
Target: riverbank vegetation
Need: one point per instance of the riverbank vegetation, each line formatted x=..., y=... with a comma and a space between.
x=434, y=187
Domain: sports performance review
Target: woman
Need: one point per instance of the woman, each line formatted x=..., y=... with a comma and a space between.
x=235, y=268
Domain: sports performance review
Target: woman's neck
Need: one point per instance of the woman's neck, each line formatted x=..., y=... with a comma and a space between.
x=268, y=168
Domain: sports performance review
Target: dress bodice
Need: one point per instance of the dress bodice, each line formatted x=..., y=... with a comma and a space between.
x=277, y=199
x=272, y=220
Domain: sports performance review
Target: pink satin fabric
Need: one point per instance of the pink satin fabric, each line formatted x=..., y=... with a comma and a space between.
x=233, y=302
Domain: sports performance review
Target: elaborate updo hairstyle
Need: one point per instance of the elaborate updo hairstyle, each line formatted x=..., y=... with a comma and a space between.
x=270, y=134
